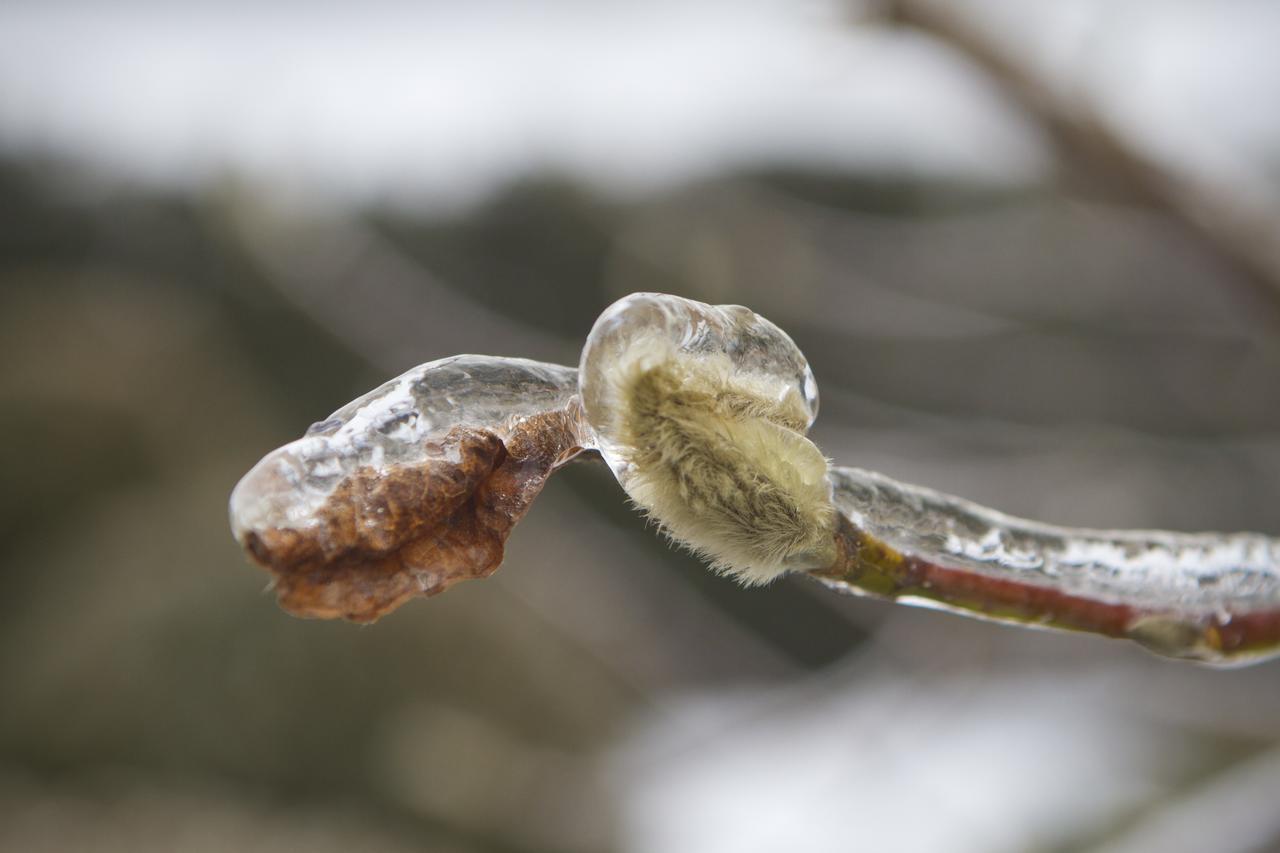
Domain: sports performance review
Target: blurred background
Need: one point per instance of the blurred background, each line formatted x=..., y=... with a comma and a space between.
x=1031, y=251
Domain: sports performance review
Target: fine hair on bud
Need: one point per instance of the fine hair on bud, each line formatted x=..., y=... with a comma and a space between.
x=719, y=460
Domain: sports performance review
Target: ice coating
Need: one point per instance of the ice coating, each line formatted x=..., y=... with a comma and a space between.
x=1207, y=596
x=701, y=411
x=410, y=489
x=1152, y=569
x=755, y=348
x=416, y=485
x=402, y=422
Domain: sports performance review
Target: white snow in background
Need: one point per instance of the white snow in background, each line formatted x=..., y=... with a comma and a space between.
x=1195, y=83
x=889, y=763
x=439, y=103
x=442, y=102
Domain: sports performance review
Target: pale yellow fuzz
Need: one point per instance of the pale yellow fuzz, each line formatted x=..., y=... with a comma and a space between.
x=722, y=465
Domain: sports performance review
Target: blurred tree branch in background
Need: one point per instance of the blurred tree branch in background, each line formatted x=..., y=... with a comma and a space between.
x=1243, y=231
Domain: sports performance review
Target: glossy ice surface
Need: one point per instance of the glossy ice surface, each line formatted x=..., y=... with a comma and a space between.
x=1207, y=596
x=402, y=422
x=1151, y=569
x=755, y=347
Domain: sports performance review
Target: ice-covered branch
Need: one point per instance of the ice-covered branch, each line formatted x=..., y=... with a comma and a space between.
x=700, y=412
x=410, y=488
x=1205, y=596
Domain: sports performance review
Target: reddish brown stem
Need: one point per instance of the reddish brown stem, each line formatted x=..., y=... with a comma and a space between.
x=868, y=566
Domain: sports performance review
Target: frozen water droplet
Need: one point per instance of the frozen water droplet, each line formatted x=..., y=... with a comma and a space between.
x=640, y=325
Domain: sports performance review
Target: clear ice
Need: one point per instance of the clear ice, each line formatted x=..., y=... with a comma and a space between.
x=753, y=345
x=1148, y=569
x=1192, y=579
x=401, y=422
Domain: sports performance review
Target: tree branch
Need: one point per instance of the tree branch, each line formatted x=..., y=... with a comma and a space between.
x=1245, y=235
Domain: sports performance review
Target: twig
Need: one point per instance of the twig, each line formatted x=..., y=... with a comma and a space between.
x=1245, y=235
